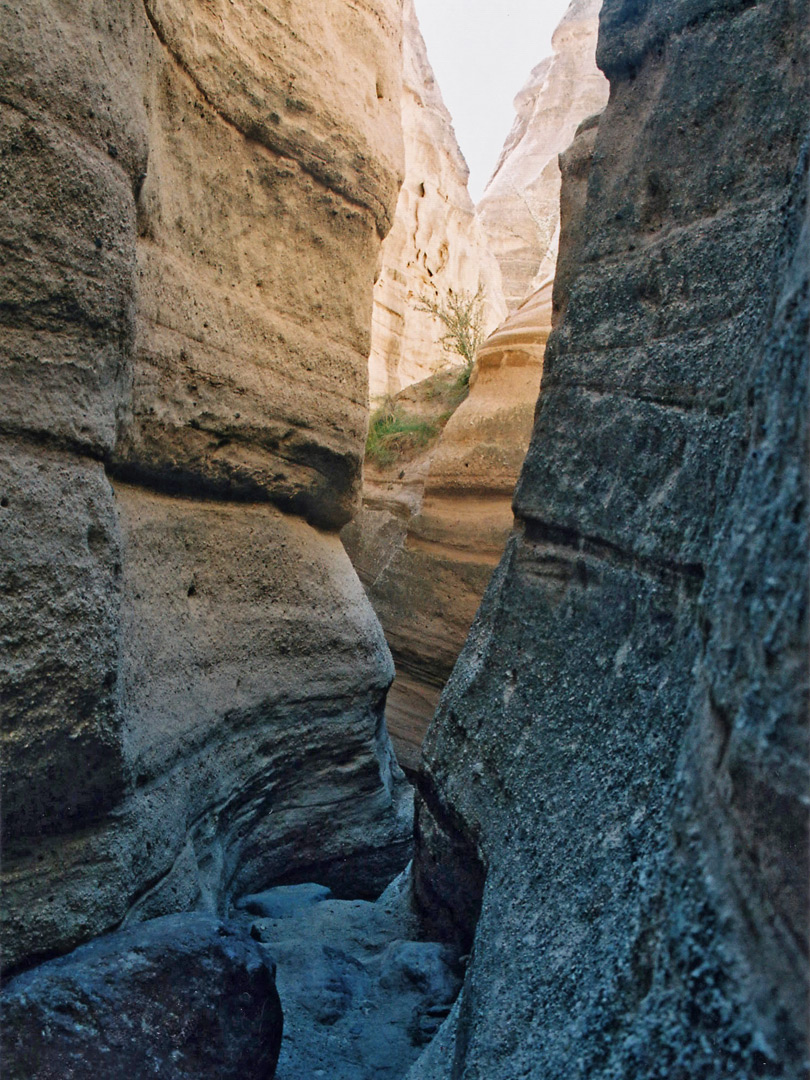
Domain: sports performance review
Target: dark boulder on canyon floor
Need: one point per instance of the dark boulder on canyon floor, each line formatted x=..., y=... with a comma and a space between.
x=183, y=997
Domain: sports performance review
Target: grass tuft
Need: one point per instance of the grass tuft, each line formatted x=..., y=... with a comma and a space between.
x=393, y=433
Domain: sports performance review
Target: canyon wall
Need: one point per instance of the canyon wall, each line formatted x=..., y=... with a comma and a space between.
x=193, y=201
x=436, y=245
x=519, y=210
x=432, y=531
x=613, y=804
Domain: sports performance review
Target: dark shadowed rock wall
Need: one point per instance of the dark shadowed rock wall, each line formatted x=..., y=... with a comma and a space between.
x=622, y=748
x=192, y=203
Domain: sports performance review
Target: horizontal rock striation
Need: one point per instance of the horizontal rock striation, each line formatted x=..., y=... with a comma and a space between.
x=193, y=681
x=436, y=245
x=622, y=747
x=426, y=542
x=519, y=210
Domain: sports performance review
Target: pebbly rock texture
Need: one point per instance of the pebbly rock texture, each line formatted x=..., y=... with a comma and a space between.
x=192, y=203
x=436, y=244
x=622, y=748
x=247, y=379
x=183, y=997
x=362, y=992
x=519, y=210
x=429, y=537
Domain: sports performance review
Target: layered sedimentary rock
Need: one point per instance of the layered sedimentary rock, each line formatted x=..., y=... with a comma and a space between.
x=192, y=207
x=429, y=537
x=519, y=209
x=436, y=245
x=622, y=748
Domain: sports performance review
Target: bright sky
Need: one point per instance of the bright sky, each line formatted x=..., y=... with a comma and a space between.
x=482, y=52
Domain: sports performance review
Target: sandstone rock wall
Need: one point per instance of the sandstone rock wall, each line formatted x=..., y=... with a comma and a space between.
x=622, y=747
x=193, y=200
x=436, y=244
x=519, y=210
x=427, y=540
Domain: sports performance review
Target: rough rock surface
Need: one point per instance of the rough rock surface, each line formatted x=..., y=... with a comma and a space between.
x=519, y=210
x=362, y=992
x=429, y=537
x=623, y=743
x=185, y=996
x=436, y=244
x=192, y=202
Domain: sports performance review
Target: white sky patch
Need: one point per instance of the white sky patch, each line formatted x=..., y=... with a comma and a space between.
x=482, y=52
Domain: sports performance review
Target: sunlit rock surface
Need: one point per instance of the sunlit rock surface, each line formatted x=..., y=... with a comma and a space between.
x=427, y=540
x=622, y=749
x=436, y=245
x=519, y=210
x=193, y=202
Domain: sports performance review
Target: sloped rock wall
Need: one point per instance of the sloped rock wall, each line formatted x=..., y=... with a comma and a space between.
x=623, y=743
x=436, y=245
x=519, y=210
x=193, y=201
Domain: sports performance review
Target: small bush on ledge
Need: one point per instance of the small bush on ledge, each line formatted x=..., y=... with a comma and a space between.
x=392, y=433
x=462, y=316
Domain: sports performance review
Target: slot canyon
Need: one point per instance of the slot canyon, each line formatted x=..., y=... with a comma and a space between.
x=378, y=703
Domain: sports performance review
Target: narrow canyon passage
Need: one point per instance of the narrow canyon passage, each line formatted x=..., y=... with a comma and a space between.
x=300, y=447
x=437, y=498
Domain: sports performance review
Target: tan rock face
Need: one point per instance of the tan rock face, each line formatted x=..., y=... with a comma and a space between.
x=519, y=210
x=436, y=243
x=192, y=205
x=61, y=573
x=426, y=556
x=247, y=378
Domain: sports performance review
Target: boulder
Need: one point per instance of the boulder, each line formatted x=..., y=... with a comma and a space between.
x=185, y=996
x=362, y=992
x=283, y=902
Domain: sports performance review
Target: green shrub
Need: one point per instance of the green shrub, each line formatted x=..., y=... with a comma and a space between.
x=393, y=433
x=462, y=315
